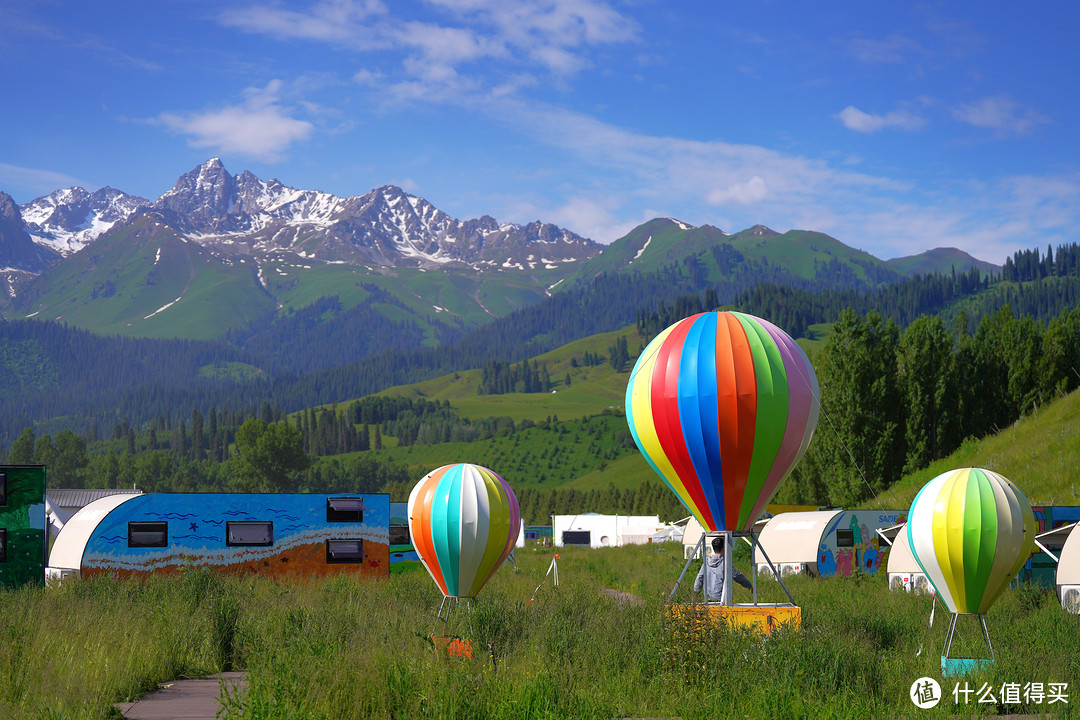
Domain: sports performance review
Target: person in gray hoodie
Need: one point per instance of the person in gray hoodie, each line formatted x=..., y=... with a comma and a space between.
x=712, y=573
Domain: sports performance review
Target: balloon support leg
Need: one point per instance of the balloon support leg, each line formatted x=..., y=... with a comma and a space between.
x=961, y=666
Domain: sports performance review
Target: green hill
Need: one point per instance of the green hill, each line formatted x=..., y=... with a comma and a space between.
x=941, y=260
x=1040, y=453
x=757, y=252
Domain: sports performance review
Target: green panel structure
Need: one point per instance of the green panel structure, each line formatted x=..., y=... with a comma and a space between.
x=23, y=537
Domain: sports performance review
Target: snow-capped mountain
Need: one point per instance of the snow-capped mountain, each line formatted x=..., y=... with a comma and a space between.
x=66, y=221
x=243, y=215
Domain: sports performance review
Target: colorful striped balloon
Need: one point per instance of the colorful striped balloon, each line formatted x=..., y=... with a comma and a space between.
x=464, y=521
x=970, y=530
x=722, y=405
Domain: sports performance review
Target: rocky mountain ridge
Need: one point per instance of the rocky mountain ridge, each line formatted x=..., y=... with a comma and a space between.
x=247, y=216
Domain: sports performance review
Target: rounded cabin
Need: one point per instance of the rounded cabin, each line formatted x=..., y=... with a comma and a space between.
x=824, y=543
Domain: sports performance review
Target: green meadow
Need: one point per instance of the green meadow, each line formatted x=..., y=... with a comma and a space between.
x=345, y=648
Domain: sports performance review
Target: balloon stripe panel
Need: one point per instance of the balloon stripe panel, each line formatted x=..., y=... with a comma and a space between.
x=772, y=415
x=643, y=427
x=737, y=391
x=921, y=538
x=799, y=399
x=697, y=406
x=665, y=409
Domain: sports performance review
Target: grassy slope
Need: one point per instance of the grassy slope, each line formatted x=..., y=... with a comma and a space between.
x=1040, y=453
x=798, y=250
x=592, y=389
x=116, y=285
x=120, y=285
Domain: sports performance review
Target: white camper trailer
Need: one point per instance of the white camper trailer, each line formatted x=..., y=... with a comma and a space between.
x=824, y=543
x=903, y=570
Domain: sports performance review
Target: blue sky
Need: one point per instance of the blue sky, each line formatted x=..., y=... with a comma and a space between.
x=894, y=127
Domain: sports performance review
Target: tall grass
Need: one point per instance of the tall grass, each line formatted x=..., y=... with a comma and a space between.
x=345, y=648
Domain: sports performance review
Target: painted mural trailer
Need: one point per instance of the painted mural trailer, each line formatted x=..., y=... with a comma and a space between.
x=23, y=538
x=825, y=543
x=277, y=535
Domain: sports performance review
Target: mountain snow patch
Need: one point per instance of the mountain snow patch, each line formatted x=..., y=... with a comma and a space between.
x=643, y=248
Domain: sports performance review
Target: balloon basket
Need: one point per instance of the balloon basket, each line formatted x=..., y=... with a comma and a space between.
x=951, y=666
x=763, y=618
x=454, y=647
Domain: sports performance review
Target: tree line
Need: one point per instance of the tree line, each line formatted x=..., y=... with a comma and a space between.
x=894, y=401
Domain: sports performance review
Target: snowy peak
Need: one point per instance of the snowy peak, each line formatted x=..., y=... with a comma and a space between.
x=244, y=215
x=65, y=221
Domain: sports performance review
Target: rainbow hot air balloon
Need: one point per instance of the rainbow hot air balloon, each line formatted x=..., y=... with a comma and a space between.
x=971, y=530
x=464, y=521
x=722, y=405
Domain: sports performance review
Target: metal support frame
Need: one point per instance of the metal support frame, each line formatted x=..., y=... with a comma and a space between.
x=952, y=632
x=728, y=535
x=448, y=603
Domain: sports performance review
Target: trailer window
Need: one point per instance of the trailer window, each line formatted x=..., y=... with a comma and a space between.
x=399, y=535
x=3, y=489
x=845, y=538
x=241, y=533
x=577, y=537
x=3, y=545
x=344, y=551
x=345, y=509
x=148, y=534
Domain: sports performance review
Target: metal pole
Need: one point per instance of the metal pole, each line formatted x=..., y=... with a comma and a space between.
x=725, y=594
x=700, y=546
x=986, y=634
x=949, y=636
x=753, y=566
x=776, y=571
x=438, y=615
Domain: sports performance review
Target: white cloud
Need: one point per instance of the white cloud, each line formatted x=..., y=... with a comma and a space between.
x=1000, y=114
x=855, y=119
x=34, y=182
x=260, y=128
x=336, y=21
x=746, y=193
x=552, y=34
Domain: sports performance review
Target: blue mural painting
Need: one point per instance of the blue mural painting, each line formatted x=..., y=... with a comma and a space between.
x=271, y=534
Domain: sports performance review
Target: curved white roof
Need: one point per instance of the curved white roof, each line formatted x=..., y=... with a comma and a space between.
x=1068, y=571
x=794, y=537
x=900, y=558
x=67, y=550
